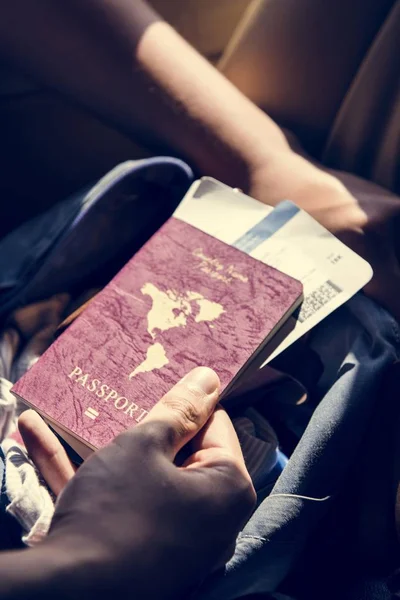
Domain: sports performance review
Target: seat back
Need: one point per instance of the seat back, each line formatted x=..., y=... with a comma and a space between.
x=330, y=72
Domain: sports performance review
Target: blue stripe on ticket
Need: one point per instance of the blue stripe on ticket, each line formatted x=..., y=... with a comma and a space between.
x=266, y=228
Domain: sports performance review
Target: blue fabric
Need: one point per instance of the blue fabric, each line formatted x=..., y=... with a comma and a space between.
x=3, y=497
x=356, y=344
x=85, y=232
x=10, y=529
x=295, y=523
x=266, y=485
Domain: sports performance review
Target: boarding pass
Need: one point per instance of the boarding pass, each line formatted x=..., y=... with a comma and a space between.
x=286, y=238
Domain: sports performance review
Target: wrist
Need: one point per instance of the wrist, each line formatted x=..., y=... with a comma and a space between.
x=65, y=571
x=287, y=175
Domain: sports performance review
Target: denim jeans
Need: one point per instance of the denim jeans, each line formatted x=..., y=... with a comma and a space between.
x=355, y=344
x=80, y=237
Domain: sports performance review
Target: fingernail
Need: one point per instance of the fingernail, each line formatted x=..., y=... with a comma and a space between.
x=203, y=378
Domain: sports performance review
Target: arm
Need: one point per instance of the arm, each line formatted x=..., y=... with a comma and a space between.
x=48, y=571
x=119, y=520
x=120, y=60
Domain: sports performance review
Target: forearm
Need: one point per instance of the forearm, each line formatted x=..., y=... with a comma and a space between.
x=123, y=62
x=61, y=569
x=31, y=574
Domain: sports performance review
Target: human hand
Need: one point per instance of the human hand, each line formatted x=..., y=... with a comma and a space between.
x=365, y=216
x=45, y=451
x=131, y=519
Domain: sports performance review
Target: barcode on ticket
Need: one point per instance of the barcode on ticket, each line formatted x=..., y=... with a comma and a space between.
x=317, y=299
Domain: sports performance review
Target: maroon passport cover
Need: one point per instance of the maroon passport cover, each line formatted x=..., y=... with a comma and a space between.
x=184, y=300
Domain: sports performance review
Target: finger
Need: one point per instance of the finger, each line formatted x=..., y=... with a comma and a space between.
x=218, y=452
x=184, y=410
x=217, y=438
x=45, y=451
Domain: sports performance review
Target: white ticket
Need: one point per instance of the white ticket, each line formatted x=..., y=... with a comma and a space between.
x=286, y=238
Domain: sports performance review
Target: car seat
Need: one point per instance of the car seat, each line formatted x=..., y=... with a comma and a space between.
x=328, y=71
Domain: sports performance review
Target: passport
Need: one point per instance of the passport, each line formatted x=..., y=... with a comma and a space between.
x=185, y=299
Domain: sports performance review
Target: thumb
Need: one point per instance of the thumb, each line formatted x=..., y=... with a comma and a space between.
x=184, y=410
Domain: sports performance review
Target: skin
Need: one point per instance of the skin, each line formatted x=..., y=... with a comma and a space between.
x=121, y=61
x=130, y=509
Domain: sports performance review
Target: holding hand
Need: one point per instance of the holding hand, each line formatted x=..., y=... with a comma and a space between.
x=362, y=214
x=130, y=519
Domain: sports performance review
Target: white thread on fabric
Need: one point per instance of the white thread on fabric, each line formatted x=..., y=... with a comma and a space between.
x=300, y=497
